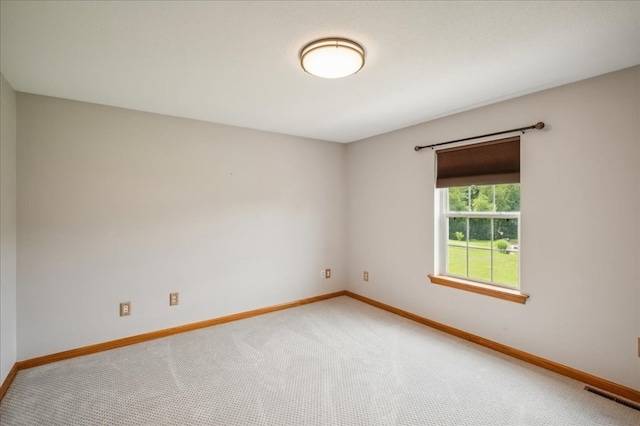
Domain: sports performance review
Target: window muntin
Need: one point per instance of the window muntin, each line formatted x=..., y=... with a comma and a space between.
x=481, y=233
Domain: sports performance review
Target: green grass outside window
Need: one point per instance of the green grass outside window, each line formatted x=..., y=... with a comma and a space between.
x=505, y=265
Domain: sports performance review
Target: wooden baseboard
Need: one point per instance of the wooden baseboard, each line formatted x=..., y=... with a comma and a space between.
x=8, y=380
x=603, y=384
x=100, y=347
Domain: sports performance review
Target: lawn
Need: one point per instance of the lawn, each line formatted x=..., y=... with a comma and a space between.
x=505, y=265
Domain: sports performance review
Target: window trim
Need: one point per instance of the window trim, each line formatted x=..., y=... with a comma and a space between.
x=480, y=288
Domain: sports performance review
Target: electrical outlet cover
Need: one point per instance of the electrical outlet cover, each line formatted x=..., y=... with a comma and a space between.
x=125, y=309
x=173, y=299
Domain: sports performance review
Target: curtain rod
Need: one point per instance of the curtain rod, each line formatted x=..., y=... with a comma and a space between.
x=539, y=125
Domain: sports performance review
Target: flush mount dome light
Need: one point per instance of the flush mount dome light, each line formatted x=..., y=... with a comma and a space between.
x=332, y=57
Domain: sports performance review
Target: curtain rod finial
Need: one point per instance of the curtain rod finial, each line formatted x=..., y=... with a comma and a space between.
x=417, y=148
x=539, y=125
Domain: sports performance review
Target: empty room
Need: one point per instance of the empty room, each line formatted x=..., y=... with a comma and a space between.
x=319, y=213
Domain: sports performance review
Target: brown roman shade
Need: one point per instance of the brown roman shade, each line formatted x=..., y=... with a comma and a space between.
x=487, y=163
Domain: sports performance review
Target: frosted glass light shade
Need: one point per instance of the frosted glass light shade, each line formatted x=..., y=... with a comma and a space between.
x=332, y=58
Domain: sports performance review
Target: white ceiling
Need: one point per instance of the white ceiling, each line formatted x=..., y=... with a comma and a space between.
x=237, y=62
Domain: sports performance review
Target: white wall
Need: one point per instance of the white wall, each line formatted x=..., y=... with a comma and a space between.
x=116, y=205
x=580, y=225
x=7, y=228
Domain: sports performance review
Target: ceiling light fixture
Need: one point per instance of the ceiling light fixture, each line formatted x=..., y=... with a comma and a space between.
x=332, y=57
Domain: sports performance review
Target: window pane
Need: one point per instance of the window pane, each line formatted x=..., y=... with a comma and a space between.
x=480, y=263
x=480, y=249
x=508, y=197
x=506, y=252
x=457, y=246
x=482, y=198
x=480, y=233
x=459, y=199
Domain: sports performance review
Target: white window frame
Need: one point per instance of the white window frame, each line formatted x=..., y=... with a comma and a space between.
x=443, y=238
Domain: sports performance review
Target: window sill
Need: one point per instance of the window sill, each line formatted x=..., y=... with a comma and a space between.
x=487, y=290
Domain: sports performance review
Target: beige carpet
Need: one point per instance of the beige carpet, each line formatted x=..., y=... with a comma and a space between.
x=336, y=362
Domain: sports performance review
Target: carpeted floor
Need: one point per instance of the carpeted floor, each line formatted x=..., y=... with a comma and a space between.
x=336, y=362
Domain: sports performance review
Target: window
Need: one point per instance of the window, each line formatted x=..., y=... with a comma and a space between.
x=480, y=235
x=478, y=222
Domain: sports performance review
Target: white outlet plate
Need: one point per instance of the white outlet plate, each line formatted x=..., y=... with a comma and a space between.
x=323, y=273
x=125, y=309
x=174, y=299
